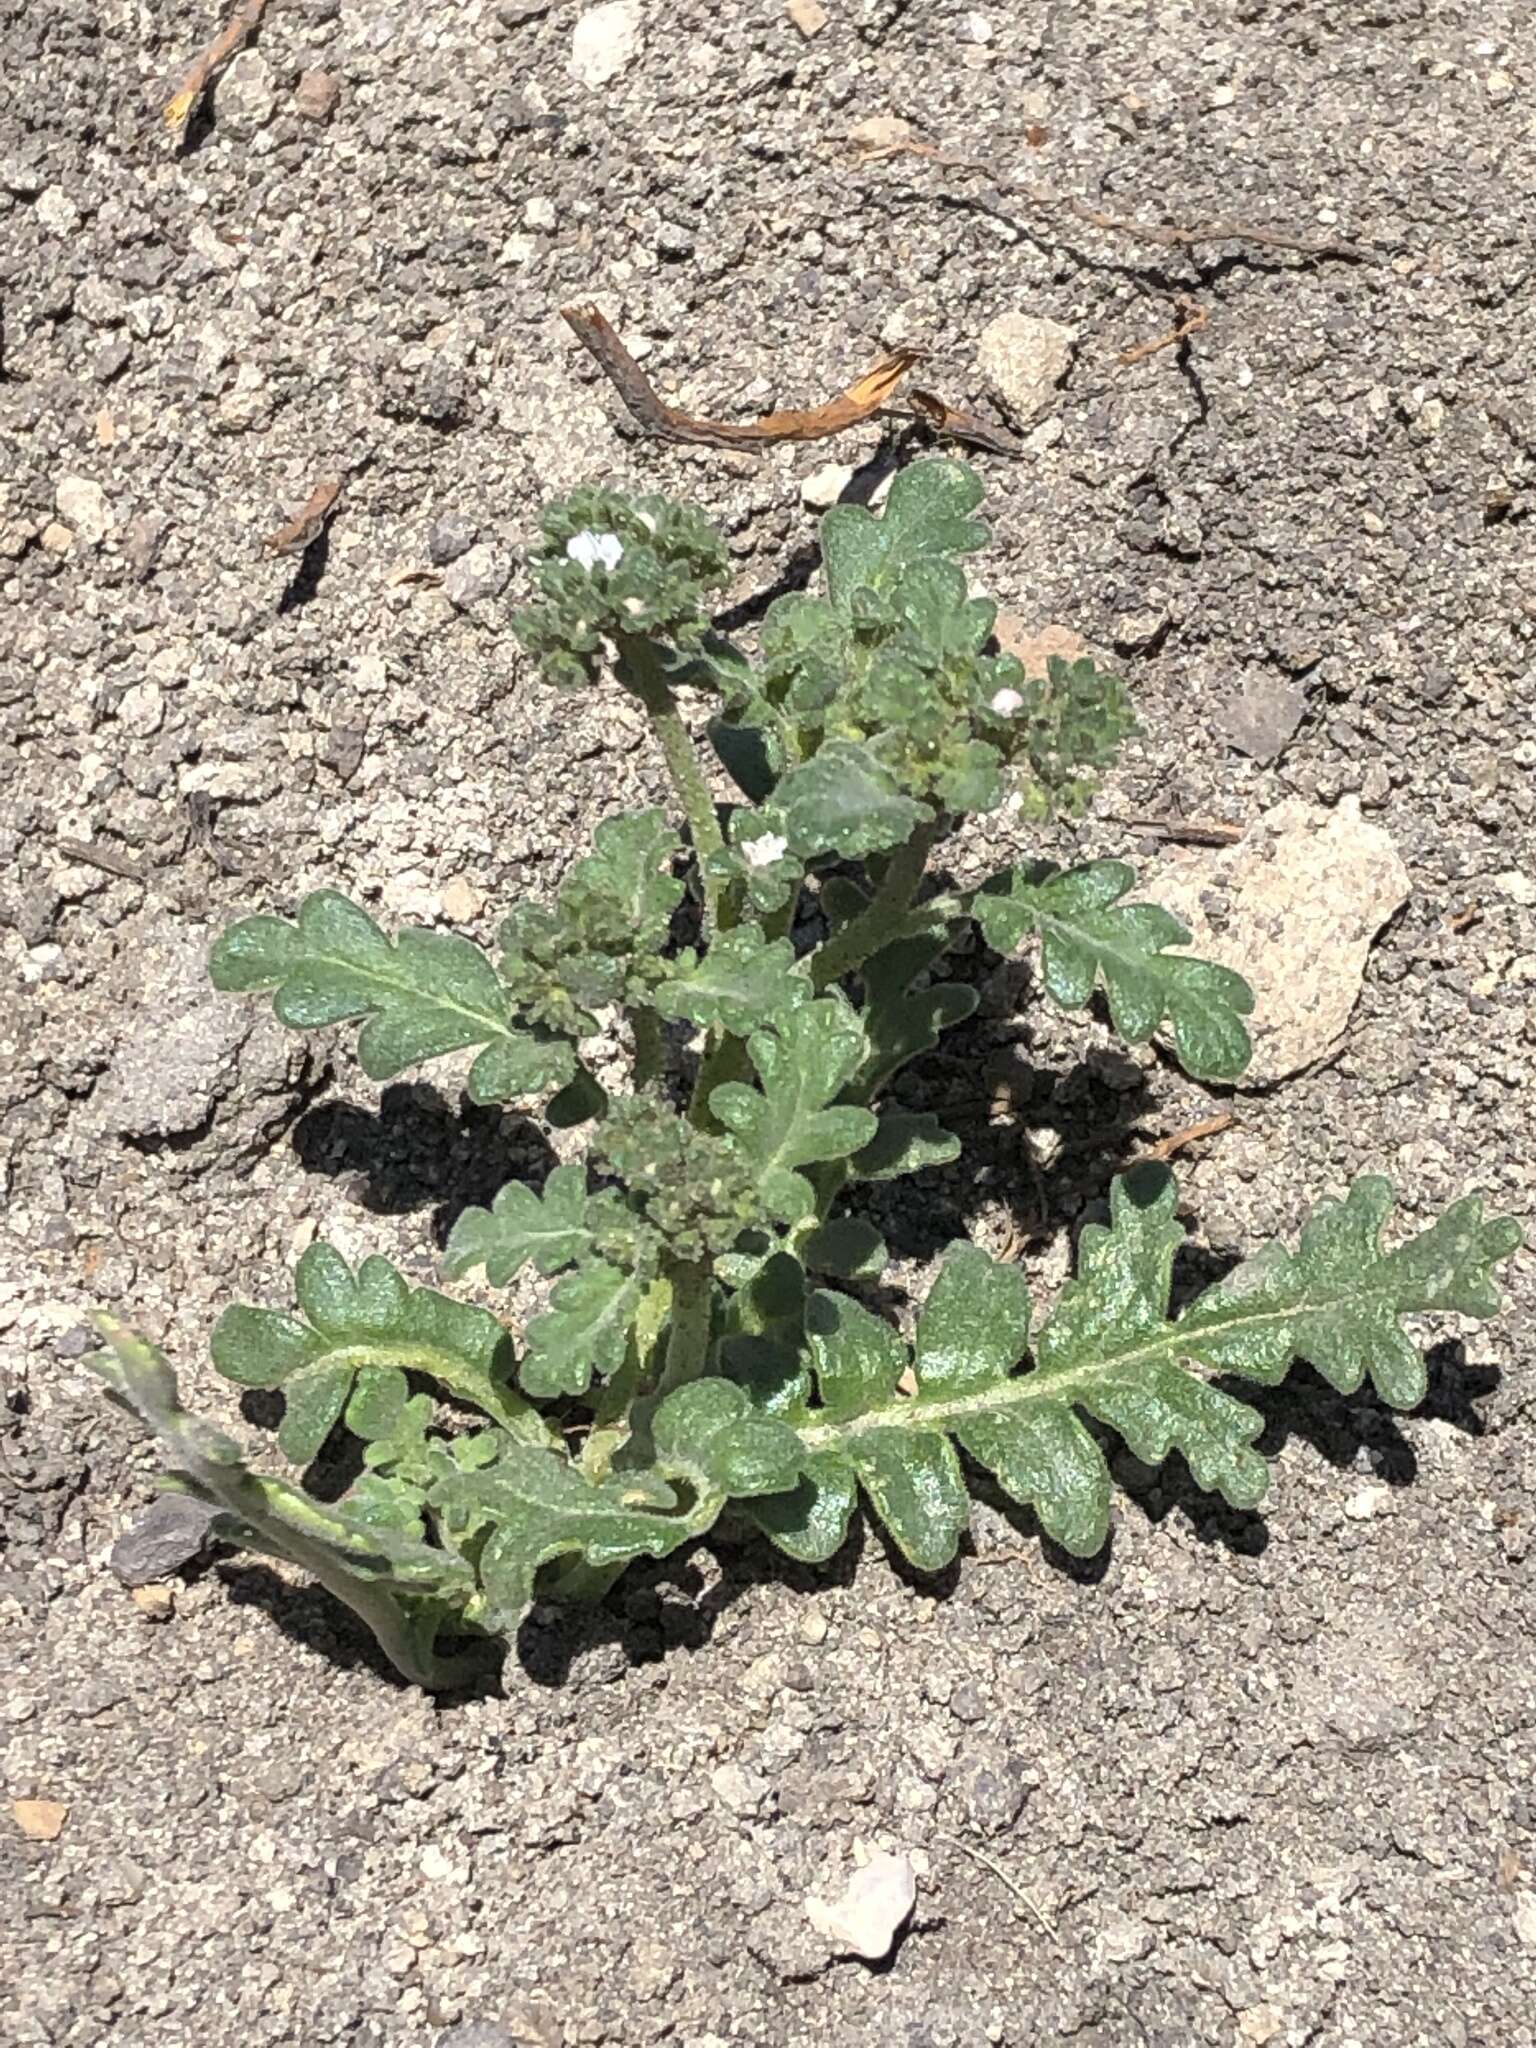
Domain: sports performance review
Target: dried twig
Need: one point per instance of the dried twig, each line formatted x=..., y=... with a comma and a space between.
x=1208, y=1127
x=1191, y=319
x=850, y=407
x=308, y=523
x=968, y=427
x=1189, y=831
x=861, y=401
x=95, y=855
x=1024, y=1898
x=1163, y=235
x=241, y=24
x=1217, y=231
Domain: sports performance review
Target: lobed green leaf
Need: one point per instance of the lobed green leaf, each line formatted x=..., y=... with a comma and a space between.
x=547, y=1230
x=423, y=994
x=845, y=800
x=583, y=1332
x=743, y=980
x=1111, y=1351
x=907, y=1141
x=353, y=1323
x=804, y=1060
x=1087, y=933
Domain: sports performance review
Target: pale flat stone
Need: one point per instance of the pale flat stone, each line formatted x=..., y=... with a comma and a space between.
x=1293, y=908
x=605, y=42
x=83, y=507
x=1025, y=357
x=872, y=1909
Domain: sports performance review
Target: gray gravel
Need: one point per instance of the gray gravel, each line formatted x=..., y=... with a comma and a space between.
x=1266, y=1779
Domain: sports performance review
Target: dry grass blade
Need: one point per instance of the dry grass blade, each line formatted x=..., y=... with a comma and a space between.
x=241, y=24
x=1012, y=1884
x=308, y=523
x=967, y=427
x=1188, y=831
x=1208, y=1127
x=1218, y=231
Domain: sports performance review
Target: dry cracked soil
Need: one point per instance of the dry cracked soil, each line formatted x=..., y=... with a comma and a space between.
x=1246, y=1779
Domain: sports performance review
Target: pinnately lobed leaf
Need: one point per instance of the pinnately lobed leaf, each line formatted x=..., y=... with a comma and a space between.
x=422, y=995
x=803, y=1061
x=583, y=1332
x=356, y=1324
x=547, y=1231
x=1110, y=1351
x=742, y=981
x=1086, y=933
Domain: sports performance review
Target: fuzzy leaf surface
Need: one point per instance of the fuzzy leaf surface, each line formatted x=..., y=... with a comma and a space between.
x=710, y=1435
x=583, y=1331
x=371, y=1558
x=621, y=898
x=546, y=1230
x=1086, y=933
x=803, y=1060
x=904, y=1013
x=708, y=1443
x=845, y=800
x=423, y=994
x=352, y=1323
x=907, y=1141
x=1110, y=1350
x=741, y=982
x=926, y=518
x=848, y=1247
x=1338, y=1301
x=542, y=1507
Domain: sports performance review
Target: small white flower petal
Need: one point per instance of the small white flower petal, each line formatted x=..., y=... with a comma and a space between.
x=595, y=550
x=763, y=852
x=1007, y=702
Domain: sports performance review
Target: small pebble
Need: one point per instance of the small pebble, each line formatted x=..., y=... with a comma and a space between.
x=480, y=573
x=605, y=42
x=83, y=505
x=171, y=1532
x=315, y=95
x=449, y=537
x=155, y=1603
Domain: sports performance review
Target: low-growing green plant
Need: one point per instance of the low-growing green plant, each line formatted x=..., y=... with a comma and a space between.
x=703, y=1344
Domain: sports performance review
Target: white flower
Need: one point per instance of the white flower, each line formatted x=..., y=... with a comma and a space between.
x=595, y=550
x=763, y=852
x=1006, y=702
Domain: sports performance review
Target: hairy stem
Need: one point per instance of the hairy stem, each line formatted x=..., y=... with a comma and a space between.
x=650, y=1044
x=640, y=670
x=688, y=1345
x=778, y=924
x=849, y=948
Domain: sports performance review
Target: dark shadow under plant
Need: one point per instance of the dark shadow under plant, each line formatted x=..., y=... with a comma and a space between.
x=700, y=1347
